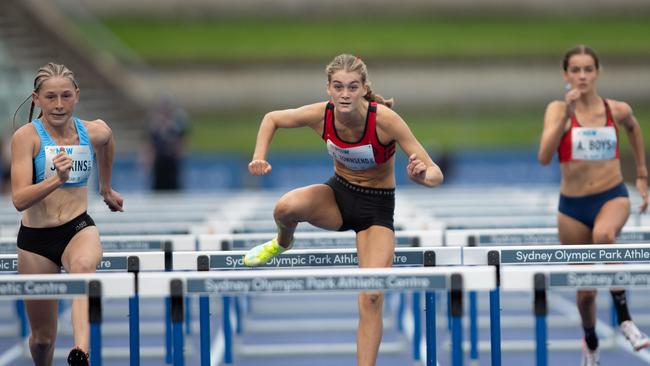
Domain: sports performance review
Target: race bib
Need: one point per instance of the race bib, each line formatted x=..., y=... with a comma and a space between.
x=596, y=143
x=354, y=158
x=82, y=161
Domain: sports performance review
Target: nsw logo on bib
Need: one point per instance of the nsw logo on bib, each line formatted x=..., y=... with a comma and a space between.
x=354, y=158
x=597, y=143
x=82, y=161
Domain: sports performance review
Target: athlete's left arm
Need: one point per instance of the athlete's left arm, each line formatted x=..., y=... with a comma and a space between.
x=101, y=136
x=625, y=117
x=421, y=169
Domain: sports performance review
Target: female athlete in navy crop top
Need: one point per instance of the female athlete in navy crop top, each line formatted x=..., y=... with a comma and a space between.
x=360, y=131
x=51, y=159
x=594, y=203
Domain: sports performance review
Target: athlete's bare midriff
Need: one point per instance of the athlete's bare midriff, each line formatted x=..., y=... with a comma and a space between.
x=582, y=178
x=381, y=176
x=58, y=208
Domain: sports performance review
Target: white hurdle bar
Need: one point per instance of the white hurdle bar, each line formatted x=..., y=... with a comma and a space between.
x=57, y=286
x=542, y=254
x=542, y=278
x=180, y=284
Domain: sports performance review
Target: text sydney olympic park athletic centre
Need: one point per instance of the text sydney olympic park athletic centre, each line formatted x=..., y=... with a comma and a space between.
x=316, y=283
x=303, y=260
x=574, y=256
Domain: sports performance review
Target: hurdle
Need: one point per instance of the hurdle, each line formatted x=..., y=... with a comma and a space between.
x=518, y=237
x=95, y=286
x=133, y=263
x=136, y=246
x=302, y=258
x=456, y=279
x=318, y=241
x=541, y=279
x=536, y=255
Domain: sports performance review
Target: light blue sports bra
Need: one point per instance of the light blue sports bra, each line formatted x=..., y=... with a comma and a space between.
x=82, y=156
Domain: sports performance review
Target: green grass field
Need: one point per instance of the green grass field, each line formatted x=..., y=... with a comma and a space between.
x=236, y=131
x=291, y=40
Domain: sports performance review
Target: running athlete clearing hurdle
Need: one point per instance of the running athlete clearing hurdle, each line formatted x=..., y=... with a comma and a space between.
x=51, y=160
x=360, y=130
x=594, y=203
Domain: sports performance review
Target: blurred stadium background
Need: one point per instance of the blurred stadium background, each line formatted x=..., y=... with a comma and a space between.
x=472, y=78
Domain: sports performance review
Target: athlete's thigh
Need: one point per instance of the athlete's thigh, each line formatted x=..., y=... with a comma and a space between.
x=42, y=313
x=32, y=263
x=315, y=204
x=376, y=247
x=572, y=231
x=612, y=216
x=84, y=248
x=43, y=316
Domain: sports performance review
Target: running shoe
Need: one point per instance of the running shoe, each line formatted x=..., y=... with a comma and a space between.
x=589, y=357
x=638, y=340
x=77, y=357
x=261, y=254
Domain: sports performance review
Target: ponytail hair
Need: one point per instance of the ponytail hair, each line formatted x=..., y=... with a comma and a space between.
x=350, y=63
x=372, y=97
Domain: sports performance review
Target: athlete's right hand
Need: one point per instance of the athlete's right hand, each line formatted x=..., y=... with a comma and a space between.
x=63, y=164
x=570, y=98
x=259, y=167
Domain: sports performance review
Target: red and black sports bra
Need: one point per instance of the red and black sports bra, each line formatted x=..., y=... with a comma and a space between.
x=366, y=153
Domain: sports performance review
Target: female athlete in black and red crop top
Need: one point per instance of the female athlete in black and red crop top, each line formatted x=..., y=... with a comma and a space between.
x=360, y=195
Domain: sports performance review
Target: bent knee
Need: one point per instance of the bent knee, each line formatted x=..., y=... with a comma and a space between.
x=285, y=208
x=82, y=265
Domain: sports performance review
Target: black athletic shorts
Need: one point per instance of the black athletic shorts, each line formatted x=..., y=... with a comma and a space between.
x=362, y=207
x=50, y=242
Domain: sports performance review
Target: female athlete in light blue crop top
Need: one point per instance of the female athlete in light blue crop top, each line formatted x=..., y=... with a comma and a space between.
x=51, y=159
